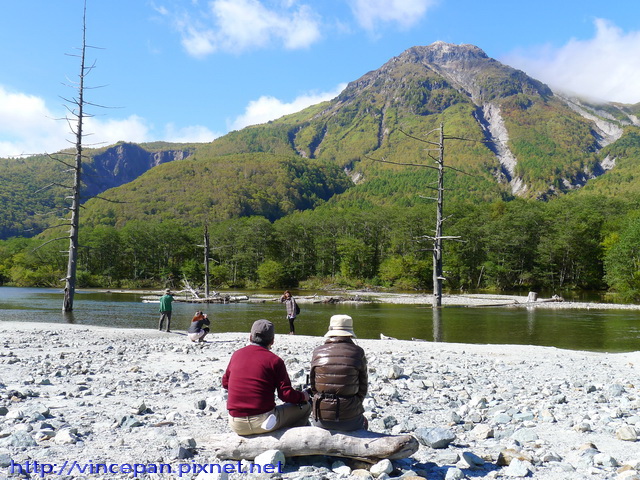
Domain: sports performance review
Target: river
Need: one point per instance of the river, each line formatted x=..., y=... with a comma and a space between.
x=594, y=330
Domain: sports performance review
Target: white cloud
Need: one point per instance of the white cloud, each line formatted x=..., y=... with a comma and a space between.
x=605, y=67
x=107, y=132
x=195, y=133
x=29, y=127
x=240, y=25
x=405, y=13
x=269, y=108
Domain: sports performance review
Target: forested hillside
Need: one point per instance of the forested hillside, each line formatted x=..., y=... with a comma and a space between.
x=33, y=190
x=542, y=191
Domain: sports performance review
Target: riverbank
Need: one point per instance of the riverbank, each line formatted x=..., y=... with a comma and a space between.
x=94, y=394
x=366, y=296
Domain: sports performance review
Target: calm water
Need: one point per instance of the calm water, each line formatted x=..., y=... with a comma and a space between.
x=597, y=330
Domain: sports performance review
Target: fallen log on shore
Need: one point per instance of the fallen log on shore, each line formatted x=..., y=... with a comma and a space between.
x=361, y=445
x=214, y=299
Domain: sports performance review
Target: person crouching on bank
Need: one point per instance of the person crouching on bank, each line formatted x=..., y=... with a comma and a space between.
x=199, y=327
x=253, y=374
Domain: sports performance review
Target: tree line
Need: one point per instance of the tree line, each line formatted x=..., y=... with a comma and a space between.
x=574, y=242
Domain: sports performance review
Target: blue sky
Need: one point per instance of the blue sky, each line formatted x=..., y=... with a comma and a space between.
x=193, y=70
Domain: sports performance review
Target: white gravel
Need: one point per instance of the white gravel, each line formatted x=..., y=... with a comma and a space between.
x=100, y=395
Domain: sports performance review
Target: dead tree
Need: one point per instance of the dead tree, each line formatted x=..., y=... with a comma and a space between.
x=78, y=114
x=438, y=236
x=361, y=445
x=206, y=261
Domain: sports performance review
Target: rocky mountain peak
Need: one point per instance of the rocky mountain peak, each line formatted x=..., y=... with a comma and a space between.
x=465, y=68
x=442, y=53
x=123, y=163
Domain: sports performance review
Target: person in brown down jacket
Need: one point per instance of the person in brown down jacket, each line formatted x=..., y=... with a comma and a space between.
x=339, y=379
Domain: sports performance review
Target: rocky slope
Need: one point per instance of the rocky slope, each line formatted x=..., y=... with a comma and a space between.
x=122, y=164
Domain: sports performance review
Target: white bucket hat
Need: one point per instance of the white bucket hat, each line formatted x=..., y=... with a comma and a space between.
x=340, y=326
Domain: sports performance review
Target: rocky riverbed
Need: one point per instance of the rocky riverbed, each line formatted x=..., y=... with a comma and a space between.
x=92, y=395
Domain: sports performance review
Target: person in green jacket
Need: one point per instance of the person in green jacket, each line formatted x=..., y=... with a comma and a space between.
x=165, y=310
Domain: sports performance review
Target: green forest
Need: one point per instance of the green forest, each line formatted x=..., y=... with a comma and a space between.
x=308, y=201
x=575, y=242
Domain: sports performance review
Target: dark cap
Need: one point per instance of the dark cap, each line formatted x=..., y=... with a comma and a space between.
x=262, y=332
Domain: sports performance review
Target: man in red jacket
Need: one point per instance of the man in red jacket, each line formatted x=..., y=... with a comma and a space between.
x=253, y=374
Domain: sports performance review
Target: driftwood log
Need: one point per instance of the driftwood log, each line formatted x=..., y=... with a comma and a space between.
x=294, y=442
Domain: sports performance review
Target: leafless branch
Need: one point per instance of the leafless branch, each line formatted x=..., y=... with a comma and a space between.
x=47, y=242
x=399, y=163
x=54, y=184
x=421, y=139
x=108, y=200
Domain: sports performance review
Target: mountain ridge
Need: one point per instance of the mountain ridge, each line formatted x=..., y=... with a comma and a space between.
x=523, y=139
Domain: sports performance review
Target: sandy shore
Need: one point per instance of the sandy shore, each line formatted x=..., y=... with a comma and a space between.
x=95, y=394
x=469, y=300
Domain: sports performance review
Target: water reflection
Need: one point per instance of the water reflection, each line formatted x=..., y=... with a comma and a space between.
x=437, y=324
x=608, y=330
x=531, y=320
x=69, y=317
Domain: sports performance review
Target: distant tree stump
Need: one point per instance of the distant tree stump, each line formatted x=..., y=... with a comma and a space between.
x=299, y=441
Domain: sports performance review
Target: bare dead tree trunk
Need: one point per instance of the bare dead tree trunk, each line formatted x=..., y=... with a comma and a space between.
x=437, y=239
x=362, y=445
x=70, y=279
x=206, y=262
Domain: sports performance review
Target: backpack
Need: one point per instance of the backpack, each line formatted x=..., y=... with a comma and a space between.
x=297, y=308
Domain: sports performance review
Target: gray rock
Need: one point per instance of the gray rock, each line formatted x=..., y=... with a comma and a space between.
x=270, y=457
x=455, y=474
x=389, y=421
x=20, y=439
x=558, y=399
x=518, y=468
x=525, y=435
x=182, y=453
x=524, y=416
x=340, y=468
x=482, y=432
x=627, y=433
x=473, y=460
x=501, y=418
x=361, y=474
x=436, y=437
x=5, y=460
x=128, y=421
x=66, y=436
x=448, y=457
x=615, y=390
x=605, y=460
x=478, y=402
x=383, y=466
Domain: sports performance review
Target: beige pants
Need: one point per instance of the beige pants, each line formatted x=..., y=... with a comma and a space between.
x=194, y=337
x=287, y=415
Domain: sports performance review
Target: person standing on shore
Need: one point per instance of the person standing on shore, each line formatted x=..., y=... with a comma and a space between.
x=165, y=310
x=291, y=306
x=339, y=379
x=253, y=374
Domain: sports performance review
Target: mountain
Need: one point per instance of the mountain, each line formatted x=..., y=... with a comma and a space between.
x=526, y=140
x=507, y=135
x=124, y=163
x=32, y=192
